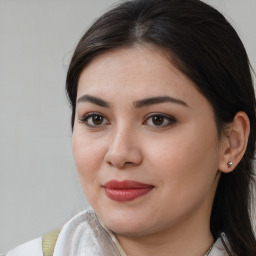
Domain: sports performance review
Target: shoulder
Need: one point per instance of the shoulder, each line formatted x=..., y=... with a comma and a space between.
x=36, y=247
x=32, y=248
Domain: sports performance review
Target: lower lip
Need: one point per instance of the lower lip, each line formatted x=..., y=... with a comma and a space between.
x=124, y=195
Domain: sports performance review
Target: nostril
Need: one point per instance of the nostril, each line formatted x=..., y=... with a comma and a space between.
x=122, y=153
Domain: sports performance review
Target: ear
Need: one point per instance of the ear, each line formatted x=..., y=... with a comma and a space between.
x=234, y=142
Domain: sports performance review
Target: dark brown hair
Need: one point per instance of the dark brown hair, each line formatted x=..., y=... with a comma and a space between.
x=205, y=47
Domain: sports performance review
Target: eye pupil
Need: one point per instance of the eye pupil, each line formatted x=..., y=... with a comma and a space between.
x=97, y=119
x=157, y=120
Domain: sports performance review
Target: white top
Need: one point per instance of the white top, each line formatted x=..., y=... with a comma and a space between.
x=85, y=235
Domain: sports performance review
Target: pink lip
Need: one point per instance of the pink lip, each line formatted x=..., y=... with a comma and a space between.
x=127, y=190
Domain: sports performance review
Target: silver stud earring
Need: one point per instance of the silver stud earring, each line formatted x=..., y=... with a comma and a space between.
x=230, y=163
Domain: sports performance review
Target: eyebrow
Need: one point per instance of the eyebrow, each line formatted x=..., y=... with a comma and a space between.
x=158, y=100
x=94, y=100
x=136, y=104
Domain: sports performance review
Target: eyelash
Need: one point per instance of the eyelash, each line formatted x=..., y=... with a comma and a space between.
x=166, y=119
x=85, y=119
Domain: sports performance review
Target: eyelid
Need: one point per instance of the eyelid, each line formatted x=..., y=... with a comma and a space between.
x=86, y=116
x=170, y=118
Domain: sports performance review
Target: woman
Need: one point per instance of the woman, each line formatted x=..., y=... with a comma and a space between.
x=163, y=119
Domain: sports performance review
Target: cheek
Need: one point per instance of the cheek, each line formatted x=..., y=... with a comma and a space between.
x=189, y=157
x=186, y=169
x=88, y=155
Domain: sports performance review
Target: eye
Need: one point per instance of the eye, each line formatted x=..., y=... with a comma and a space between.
x=94, y=120
x=159, y=120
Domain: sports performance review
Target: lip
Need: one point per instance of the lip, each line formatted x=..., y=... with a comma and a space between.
x=127, y=190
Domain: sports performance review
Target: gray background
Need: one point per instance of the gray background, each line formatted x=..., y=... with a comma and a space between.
x=39, y=189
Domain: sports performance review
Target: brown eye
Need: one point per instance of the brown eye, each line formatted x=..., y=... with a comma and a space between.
x=159, y=120
x=94, y=120
x=97, y=119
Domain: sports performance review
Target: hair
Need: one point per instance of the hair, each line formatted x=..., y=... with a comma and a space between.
x=204, y=46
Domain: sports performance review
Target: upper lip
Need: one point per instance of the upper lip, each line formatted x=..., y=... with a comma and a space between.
x=125, y=184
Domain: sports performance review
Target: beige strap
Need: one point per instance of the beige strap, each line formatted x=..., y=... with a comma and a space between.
x=48, y=242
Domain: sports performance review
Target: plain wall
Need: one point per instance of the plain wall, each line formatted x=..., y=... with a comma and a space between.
x=39, y=189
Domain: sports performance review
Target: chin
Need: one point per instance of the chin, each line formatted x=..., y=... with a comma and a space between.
x=126, y=225
x=134, y=230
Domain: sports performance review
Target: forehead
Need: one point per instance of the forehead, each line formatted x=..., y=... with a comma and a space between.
x=135, y=73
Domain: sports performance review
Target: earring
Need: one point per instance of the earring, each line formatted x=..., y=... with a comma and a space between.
x=230, y=163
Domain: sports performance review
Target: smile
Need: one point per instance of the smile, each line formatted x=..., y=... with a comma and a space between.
x=127, y=190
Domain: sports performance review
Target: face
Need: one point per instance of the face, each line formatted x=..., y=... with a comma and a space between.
x=145, y=143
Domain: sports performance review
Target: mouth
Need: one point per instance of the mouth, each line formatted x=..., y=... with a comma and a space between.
x=127, y=190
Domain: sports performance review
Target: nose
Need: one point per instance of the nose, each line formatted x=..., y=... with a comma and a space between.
x=124, y=149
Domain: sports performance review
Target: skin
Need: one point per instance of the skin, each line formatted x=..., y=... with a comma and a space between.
x=181, y=158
